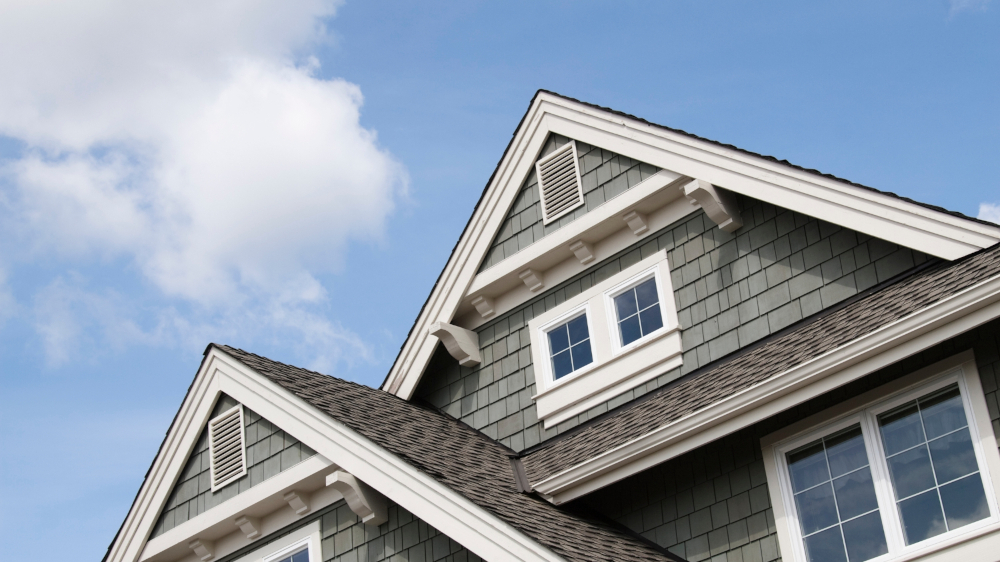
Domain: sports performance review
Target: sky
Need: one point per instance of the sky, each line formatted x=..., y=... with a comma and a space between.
x=290, y=177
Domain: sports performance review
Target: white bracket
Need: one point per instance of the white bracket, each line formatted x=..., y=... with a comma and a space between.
x=462, y=344
x=718, y=204
x=203, y=549
x=637, y=222
x=298, y=501
x=484, y=306
x=532, y=279
x=582, y=251
x=250, y=526
x=361, y=498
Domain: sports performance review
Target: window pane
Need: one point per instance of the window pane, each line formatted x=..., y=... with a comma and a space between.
x=651, y=320
x=625, y=304
x=911, y=472
x=964, y=501
x=865, y=538
x=817, y=509
x=301, y=556
x=561, y=364
x=855, y=493
x=578, y=329
x=953, y=456
x=558, y=339
x=581, y=355
x=646, y=294
x=827, y=546
x=807, y=467
x=901, y=429
x=630, y=330
x=942, y=413
x=846, y=452
x=921, y=517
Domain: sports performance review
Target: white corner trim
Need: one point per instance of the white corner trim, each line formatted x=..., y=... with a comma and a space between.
x=461, y=344
x=923, y=329
x=365, y=502
x=717, y=203
x=614, y=369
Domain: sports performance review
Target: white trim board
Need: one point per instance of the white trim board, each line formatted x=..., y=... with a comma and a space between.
x=883, y=216
x=885, y=346
x=443, y=508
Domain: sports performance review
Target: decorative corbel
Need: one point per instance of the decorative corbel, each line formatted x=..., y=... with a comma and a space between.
x=718, y=204
x=582, y=251
x=532, y=279
x=637, y=222
x=361, y=498
x=484, y=306
x=298, y=501
x=250, y=526
x=203, y=549
x=462, y=344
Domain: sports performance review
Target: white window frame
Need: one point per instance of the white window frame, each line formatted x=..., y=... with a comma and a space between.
x=615, y=369
x=559, y=321
x=864, y=410
x=308, y=536
x=609, y=298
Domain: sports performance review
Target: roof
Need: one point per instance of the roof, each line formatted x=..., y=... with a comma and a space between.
x=723, y=379
x=666, y=128
x=459, y=457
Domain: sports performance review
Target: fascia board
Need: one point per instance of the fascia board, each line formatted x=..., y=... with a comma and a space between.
x=441, y=507
x=883, y=347
x=875, y=214
x=167, y=467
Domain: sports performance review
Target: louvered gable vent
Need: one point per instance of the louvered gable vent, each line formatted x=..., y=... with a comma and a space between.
x=226, y=447
x=559, y=182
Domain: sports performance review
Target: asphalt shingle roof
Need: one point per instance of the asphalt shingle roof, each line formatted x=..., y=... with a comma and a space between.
x=800, y=344
x=457, y=456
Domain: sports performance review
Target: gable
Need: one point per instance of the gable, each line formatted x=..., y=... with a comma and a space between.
x=731, y=291
x=603, y=174
x=682, y=158
x=269, y=451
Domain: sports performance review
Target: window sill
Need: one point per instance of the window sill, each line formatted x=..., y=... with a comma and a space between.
x=577, y=393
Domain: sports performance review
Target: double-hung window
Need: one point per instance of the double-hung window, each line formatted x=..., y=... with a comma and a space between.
x=569, y=346
x=637, y=311
x=887, y=480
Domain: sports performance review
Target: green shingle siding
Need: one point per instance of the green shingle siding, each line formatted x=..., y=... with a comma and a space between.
x=713, y=503
x=403, y=537
x=731, y=290
x=603, y=175
x=269, y=452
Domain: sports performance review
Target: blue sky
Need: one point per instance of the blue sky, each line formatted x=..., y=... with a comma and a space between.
x=290, y=177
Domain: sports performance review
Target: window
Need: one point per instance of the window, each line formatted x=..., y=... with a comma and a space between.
x=611, y=337
x=637, y=312
x=300, y=556
x=890, y=478
x=569, y=346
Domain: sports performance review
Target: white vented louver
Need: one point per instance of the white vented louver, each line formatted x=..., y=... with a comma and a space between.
x=559, y=182
x=226, y=448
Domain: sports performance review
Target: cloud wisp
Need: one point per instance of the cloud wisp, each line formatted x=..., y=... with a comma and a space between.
x=989, y=212
x=956, y=6
x=198, y=143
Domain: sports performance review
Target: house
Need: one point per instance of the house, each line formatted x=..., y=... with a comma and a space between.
x=645, y=345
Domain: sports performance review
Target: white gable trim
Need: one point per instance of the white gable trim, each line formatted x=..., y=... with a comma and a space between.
x=446, y=510
x=883, y=216
x=885, y=346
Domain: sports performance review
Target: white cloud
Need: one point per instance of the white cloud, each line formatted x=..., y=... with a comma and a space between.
x=968, y=5
x=989, y=212
x=195, y=140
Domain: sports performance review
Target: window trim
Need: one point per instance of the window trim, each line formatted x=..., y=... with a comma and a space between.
x=612, y=372
x=544, y=330
x=294, y=548
x=864, y=409
x=613, y=325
